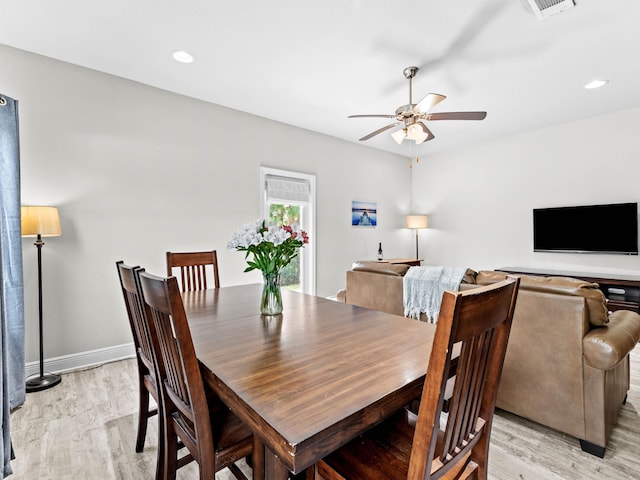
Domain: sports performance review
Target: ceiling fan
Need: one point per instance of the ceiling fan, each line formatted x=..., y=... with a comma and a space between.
x=411, y=116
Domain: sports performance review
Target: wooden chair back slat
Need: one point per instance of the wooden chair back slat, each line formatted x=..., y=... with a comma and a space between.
x=193, y=268
x=465, y=403
x=173, y=366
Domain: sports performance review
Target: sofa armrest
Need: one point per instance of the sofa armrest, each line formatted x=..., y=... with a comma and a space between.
x=605, y=347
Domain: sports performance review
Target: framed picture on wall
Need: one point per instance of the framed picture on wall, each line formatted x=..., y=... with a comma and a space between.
x=364, y=214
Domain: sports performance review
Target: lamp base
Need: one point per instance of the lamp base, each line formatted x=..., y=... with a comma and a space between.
x=42, y=382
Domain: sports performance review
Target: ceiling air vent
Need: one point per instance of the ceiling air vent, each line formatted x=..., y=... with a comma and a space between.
x=546, y=8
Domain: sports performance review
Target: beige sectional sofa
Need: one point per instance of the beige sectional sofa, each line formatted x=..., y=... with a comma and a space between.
x=567, y=363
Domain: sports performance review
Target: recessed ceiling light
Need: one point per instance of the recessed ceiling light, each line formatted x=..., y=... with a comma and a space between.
x=596, y=84
x=182, y=56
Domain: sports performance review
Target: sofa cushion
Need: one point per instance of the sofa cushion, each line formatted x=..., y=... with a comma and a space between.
x=385, y=268
x=596, y=301
x=469, y=276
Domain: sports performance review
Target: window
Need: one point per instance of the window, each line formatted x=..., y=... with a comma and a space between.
x=289, y=198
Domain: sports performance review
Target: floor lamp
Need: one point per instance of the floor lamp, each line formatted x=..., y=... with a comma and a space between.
x=40, y=222
x=417, y=222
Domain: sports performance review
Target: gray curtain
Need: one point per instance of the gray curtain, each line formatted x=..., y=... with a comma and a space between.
x=12, y=371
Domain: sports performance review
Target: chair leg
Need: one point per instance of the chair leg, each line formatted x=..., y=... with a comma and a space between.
x=207, y=466
x=170, y=451
x=160, y=462
x=143, y=414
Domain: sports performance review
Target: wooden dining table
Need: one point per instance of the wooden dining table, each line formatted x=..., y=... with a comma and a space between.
x=311, y=379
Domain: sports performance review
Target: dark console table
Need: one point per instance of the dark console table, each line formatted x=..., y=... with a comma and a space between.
x=415, y=262
x=622, y=291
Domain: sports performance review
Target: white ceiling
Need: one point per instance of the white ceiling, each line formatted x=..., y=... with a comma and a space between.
x=311, y=63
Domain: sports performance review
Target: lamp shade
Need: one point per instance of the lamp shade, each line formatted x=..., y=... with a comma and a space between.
x=43, y=221
x=417, y=221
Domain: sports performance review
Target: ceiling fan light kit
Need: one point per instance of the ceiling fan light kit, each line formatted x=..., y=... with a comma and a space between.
x=399, y=135
x=411, y=117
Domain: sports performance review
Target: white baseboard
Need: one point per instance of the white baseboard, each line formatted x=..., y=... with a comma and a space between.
x=79, y=361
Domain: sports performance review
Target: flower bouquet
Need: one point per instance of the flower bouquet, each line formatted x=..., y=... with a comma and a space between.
x=272, y=247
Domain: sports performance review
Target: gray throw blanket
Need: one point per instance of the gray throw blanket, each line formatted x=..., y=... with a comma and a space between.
x=423, y=289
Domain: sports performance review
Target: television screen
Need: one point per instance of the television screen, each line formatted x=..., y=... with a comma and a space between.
x=587, y=229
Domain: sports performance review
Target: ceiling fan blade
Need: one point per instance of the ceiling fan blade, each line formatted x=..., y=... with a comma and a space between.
x=376, y=116
x=399, y=135
x=428, y=102
x=380, y=130
x=457, y=116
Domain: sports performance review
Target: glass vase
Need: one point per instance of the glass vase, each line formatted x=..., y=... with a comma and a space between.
x=271, y=303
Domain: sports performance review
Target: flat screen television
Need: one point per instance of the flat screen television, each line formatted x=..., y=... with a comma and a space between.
x=611, y=228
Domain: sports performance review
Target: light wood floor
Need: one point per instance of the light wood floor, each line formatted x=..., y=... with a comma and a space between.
x=85, y=429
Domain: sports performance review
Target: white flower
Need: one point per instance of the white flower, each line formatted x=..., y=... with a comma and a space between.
x=275, y=234
x=272, y=246
x=248, y=235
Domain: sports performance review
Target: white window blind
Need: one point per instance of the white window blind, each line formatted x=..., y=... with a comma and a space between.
x=285, y=189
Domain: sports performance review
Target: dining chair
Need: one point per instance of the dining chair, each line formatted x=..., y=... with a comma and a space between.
x=147, y=384
x=433, y=445
x=193, y=269
x=193, y=416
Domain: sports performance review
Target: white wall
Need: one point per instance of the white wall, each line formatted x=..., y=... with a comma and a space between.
x=137, y=171
x=480, y=199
